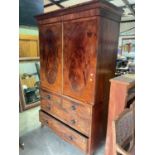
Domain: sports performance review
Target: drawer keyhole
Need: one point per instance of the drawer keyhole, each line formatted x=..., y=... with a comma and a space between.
x=73, y=107
x=48, y=97
x=73, y=122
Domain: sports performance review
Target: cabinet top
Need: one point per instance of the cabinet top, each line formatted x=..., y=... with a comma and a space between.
x=100, y=7
x=127, y=79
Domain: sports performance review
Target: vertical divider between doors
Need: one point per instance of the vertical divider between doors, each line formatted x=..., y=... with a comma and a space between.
x=62, y=57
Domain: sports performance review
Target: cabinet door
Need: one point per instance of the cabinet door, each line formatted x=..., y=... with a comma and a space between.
x=51, y=57
x=80, y=39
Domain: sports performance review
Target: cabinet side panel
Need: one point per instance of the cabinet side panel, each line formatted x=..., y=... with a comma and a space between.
x=106, y=62
x=106, y=59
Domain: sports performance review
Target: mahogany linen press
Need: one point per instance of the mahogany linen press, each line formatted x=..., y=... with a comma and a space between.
x=78, y=50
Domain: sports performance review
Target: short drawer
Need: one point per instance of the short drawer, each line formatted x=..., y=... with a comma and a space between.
x=64, y=131
x=49, y=101
x=74, y=114
x=47, y=96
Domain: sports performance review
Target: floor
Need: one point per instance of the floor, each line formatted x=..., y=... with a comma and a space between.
x=42, y=141
x=29, y=121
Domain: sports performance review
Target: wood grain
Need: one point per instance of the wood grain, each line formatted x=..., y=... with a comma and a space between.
x=72, y=113
x=94, y=8
x=80, y=39
x=119, y=89
x=28, y=46
x=64, y=132
x=51, y=57
x=88, y=49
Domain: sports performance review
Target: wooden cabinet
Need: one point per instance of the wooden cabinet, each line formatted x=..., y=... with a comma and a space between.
x=78, y=50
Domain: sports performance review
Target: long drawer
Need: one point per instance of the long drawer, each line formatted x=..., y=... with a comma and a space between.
x=64, y=131
x=74, y=114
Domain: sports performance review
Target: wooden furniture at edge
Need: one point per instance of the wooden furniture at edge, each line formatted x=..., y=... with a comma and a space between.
x=78, y=50
x=122, y=94
x=123, y=133
x=28, y=46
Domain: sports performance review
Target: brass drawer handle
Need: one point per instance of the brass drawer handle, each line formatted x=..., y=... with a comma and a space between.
x=70, y=138
x=73, y=107
x=48, y=97
x=73, y=122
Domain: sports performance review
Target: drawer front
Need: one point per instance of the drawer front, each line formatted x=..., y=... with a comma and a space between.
x=49, y=101
x=76, y=115
x=64, y=132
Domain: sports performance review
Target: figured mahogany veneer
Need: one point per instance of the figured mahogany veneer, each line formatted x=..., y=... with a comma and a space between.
x=63, y=131
x=51, y=57
x=74, y=114
x=78, y=50
x=80, y=39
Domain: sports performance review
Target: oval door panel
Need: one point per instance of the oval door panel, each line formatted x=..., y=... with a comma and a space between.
x=50, y=57
x=50, y=54
x=79, y=58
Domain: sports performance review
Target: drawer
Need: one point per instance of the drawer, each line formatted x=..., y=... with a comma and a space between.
x=64, y=131
x=76, y=115
x=49, y=101
x=47, y=96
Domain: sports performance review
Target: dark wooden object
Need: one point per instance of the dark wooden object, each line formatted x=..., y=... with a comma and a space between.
x=121, y=96
x=123, y=133
x=78, y=50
